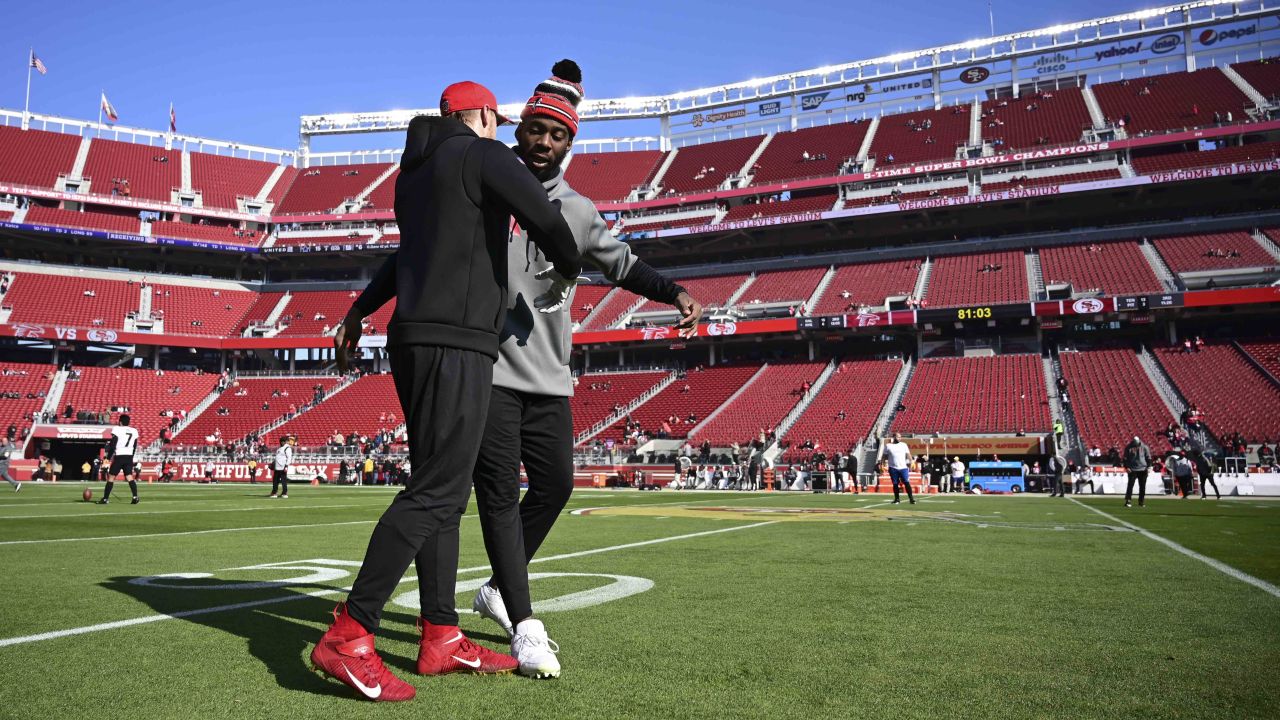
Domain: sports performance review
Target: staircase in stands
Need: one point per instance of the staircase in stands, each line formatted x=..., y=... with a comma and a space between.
x=785, y=424
x=1157, y=263
x=693, y=432
x=1062, y=411
x=346, y=382
x=887, y=413
x=1035, y=276
x=608, y=422
x=1095, y=110
x=53, y=396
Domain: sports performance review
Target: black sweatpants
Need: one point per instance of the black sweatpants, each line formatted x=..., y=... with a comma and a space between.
x=444, y=393
x=1056, y=484
x=538, y=431
x=279, y=481
x=1139, y=477
x=1206, y=479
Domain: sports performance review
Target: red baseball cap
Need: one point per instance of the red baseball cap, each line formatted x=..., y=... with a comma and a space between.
x=467, y=95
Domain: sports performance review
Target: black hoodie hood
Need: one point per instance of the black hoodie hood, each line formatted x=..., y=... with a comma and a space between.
x=425, y=134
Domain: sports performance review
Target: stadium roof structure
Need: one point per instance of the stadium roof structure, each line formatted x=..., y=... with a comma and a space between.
x=985, y=64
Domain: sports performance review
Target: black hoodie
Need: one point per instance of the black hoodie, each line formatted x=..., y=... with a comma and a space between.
x=455, y=198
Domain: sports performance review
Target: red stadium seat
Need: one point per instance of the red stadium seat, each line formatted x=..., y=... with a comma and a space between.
x=137, y=171
x=1112, y=399
x=996, y=394
x=1212, y=251
x=867, y=284
x=36, y=157
x=903, y=138
x=859, y=389
x=322, y=189
x=359, y=407
x=610, y=177
x=597, y=394
x=708, y=390
x=1115, y=268
x=221, y=179
x=762, y=405
x=107, y=222
x=245, y=413
x=145, y=392
x=701, y=168
x=1233, y=394
x=1039, y=119
x=1171, y=101
x=828, y=148
x=958, y=280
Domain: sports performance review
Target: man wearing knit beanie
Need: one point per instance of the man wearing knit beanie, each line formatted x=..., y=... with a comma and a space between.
x=529, y=420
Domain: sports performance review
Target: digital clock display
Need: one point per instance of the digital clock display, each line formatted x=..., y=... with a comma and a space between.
x=974, y=313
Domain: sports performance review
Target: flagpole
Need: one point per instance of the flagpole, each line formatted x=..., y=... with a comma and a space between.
x=104, y=94
x=26, y=107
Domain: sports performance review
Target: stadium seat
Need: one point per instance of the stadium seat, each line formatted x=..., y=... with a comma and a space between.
x=225, y=234
x=1112, y=399
x=708, y=389
x=358, y=407
x=995, y=394
x=958, y=280
x=1233, y=394
x=762, y=405
x=820, y=202
x=145, y=393
x=221, y=178
x=1171, y=101
x=308, y=313
x=628, y=226
x=1263, y=75
x=383, y=197
x=585, y=300
x=23, y=380
x=1177, y=158
x=794, y=286
x=712, y=292
x=701, y=168
x=43, y=299
x=106, y=222
x=245, y=413
x=197, y=310
x=137, y=171
x=595, y=395
x=1212, y=251
x=1038, y=119
x=867, y=284
x=1265, y=353
x=321, y=189
x=611, y=176
x=859, y=389
x=1115, y=268
x=1043, y=180
x=902, y=137
x=36, y=157
x=829, y=147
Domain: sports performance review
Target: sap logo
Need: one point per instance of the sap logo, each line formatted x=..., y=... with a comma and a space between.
x=1088, y=306
x=103, y=336
x=1211, y=36
x=770, y=108
x=1118, y=51
x=724, y=328
x=811, y=102
x=655, y=333
x=974, y=75
x=856, y=97
x=1166, y=43
x=64, y=333
x=28, y=331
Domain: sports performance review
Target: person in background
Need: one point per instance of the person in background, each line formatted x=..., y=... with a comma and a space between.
x=1182, y=470
x=7, y=448
x=1137, y=462
x=955, y=482
x=124, y=441
x=1204, y=468
x=1057, y=467
x=280, y=468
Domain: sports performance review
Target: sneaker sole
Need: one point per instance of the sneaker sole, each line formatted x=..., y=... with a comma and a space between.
x=542, y=674
x=466, y=672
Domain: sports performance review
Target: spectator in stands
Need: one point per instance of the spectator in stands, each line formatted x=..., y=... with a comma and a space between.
x=1266, y=456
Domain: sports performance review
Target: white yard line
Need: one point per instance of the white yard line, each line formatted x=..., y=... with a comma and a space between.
x=1218, y=565
x=283, y=505
x=189, y=532
x=321, y=593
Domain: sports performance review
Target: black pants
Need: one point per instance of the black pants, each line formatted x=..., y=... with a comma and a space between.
x=1140, y=477
x=280, y=481
x=538, y=431
x=444, y=393
x=1184, y=485
x=1206, y=479
x=1056, y=485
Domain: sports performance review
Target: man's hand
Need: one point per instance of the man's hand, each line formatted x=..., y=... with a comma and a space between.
x=558, y=294
x=347, y=338
x=691, y=314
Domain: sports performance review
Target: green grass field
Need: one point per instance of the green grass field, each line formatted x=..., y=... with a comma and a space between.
x=958, y=607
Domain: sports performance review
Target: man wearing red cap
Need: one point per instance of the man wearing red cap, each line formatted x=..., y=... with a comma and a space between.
x=529, y=418
x=457, y=190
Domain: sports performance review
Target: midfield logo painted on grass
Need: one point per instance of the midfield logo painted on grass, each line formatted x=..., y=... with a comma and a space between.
x=795, y=514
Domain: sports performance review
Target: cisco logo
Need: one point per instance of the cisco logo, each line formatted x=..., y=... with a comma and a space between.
x=1166, y=43
x=1211, y=37
x=1088, y=306
x=1046, y=64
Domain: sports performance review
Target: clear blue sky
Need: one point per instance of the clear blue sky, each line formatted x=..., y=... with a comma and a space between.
x=245, y=71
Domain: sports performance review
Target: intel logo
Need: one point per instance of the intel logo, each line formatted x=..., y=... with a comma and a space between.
x=1166, y=43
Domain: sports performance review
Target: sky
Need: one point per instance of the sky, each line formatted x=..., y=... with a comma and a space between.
x=245, y=71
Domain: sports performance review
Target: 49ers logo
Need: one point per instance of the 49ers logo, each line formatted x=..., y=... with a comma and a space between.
x=722, y=328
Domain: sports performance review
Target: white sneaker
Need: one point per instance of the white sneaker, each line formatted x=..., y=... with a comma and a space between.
x=488, y=603
x=535, y=652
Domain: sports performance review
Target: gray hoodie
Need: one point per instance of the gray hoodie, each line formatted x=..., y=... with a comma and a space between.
x=533, y=350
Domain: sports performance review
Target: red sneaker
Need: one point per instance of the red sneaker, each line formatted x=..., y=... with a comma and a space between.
x=444, y=649
x=356, y=663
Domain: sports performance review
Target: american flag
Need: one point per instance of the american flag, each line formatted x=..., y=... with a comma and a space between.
x=38, y=64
